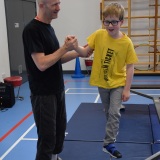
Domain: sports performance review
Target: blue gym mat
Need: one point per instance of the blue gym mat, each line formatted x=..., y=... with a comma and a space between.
x=155, y=148
x=80, y=150
x=88, y=124
x=155, y=123
x=135, y=125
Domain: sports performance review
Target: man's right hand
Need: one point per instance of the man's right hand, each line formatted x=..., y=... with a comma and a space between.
x=70, y=43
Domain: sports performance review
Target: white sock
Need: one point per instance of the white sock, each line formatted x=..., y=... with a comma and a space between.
x=54, y=157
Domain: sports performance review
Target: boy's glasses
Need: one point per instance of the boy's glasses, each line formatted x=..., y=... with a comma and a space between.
x=107, y=23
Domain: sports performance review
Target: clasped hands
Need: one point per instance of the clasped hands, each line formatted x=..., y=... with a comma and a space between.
x=70, y=43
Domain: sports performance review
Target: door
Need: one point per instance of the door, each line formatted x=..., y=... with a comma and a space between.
x=18, y=14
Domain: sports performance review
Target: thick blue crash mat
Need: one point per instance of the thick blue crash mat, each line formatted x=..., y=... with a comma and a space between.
x=88, y=124
x=80, y=150
x=155, y=123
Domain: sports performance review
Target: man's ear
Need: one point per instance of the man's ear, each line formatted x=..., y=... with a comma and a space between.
x=41, y=5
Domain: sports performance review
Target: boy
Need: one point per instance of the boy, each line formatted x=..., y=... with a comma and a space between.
x=112, y=70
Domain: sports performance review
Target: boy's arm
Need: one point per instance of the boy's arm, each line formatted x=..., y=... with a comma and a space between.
x=84, y=51
x=73, y=54
x=129, y=78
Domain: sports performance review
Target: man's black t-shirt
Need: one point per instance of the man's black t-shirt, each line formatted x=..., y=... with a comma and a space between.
x=39, y=37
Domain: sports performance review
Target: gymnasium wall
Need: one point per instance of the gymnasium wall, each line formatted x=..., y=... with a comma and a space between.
x=79, y=18
x=4, y=56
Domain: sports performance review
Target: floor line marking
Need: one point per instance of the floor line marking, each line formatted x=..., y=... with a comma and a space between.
x=66, y=90
x=134, y=80
x=96, y=100
x=10, y=149
x=14, y=127
x=85, y=88
x=81, y=93
x=96, y=93
x=29, y=139
x=97, y=89
x=145, y=93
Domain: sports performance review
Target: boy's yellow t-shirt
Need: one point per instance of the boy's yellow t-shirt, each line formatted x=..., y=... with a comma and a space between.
x=110, y=59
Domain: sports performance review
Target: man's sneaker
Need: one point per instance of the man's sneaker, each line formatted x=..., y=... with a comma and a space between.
x=111, y=149
x=122, y=108
x=58, y=158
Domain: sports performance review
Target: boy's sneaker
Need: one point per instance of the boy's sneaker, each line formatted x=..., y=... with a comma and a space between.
x=111, y=149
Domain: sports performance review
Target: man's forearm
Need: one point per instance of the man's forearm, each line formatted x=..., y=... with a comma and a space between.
x=69, y=56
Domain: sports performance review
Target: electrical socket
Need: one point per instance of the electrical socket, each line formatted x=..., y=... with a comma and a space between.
x=3, y=75
x=20, y=69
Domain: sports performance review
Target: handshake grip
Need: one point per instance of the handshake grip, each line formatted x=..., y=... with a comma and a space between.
x=70, y=43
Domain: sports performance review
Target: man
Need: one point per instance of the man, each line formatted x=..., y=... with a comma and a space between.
x=44, y=60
